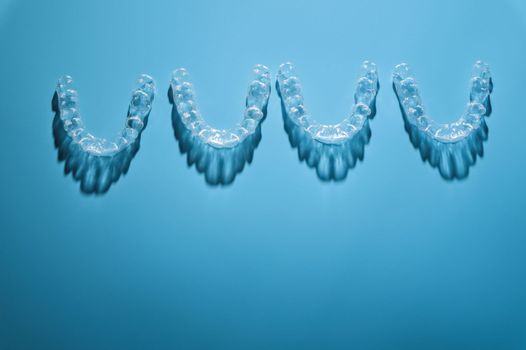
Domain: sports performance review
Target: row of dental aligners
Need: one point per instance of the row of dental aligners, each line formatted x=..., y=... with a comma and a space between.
x=187, y=108
x=138, y=110
x=291, y=94
x=258, y=94
x=411, y=102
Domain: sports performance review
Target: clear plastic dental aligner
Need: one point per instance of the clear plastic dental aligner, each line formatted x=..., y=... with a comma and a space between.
x=409, y=97
x=219, y=154
x=452, y=147
x=290, y=90
x=331, y=149
x=184, y=100
x=94, y=161
x=139, y=108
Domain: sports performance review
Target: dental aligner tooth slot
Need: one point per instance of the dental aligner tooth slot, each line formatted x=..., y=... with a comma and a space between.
x=290, y=90
x=410, y=100
x=138, y=110
x=256, y=102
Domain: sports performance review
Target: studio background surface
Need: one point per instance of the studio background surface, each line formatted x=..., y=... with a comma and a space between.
x=394, y=257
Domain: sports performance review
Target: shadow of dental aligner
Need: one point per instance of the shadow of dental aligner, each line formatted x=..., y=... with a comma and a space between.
x=220, y=154
x=331, y=149
x=95, y=162
x=454, y=147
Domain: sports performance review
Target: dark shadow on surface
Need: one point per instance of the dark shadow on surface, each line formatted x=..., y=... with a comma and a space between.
x=220, y=166
x=96, y=174
x=453, y=160
x=331, y=161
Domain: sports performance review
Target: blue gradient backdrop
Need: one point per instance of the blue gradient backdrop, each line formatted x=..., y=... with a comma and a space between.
x=393, y=258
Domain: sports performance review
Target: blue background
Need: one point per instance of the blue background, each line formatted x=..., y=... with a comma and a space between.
x=392, y=258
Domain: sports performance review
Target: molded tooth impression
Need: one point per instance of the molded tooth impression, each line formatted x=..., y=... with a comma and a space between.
x=452, y=147
x=185, y=103
x=92, y=158
x=219, y=153
x=331, y=149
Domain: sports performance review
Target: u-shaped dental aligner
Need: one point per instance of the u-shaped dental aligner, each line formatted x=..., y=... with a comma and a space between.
x=290, y=91
x=138, y=110
x=184, y=101
x=453, y=147
x=331, y=149
x=95, y=162
x=470, y=121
